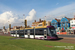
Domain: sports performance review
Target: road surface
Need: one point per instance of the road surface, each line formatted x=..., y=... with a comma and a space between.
x=71, y=36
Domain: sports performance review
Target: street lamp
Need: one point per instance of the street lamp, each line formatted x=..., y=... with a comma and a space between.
x=9, y=25
x=24, y=25
x=3, y=27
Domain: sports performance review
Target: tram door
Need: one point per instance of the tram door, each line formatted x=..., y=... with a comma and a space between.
x=45, y=34
x=28, y=32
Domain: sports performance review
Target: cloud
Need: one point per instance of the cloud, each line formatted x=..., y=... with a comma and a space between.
x=6, y=16
x=32, y=15
x=9, y=17
x=62, y=15
x=63, y=9
x=66, y=10
x=74, y=13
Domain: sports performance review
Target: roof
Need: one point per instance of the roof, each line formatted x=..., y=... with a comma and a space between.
x=69, y=19
x=38, y=21
x=58, y=20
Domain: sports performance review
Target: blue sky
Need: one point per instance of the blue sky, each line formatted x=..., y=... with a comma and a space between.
x=38, y=8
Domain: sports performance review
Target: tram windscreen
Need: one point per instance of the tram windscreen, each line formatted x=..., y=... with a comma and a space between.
x=52, y=31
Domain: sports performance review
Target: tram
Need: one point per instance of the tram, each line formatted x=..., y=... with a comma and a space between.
x=45, y=32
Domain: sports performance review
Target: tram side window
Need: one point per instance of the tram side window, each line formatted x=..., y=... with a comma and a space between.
x=25, y=32
x=12, y=32
x=36, y=32
x=39, y=32
x=21, y=31
x=31, y=32
x=17, y=32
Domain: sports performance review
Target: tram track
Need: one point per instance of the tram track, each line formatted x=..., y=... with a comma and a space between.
x=67, y=40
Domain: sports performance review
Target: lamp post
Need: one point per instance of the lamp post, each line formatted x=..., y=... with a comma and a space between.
x=24, y=25
x=9, y=25
x=3, y=27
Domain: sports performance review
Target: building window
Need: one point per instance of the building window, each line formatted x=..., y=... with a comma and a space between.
x=72, y=22
x=61, y=22
x=73, y=25
x=40, y=24
x=62, y=25
x=66, y=25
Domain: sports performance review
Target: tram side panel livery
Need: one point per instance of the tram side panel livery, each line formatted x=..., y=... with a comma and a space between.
x=40, y=33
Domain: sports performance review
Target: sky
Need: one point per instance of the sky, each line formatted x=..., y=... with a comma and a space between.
x=11, y=11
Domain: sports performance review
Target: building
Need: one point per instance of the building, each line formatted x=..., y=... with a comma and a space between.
x=65, y=23
x=72, y=23
x=17, y=27
x=40, y=23
x=72, y=26
x=35, y=24
x=1, y=30
x=55, y=23
x=61, y=25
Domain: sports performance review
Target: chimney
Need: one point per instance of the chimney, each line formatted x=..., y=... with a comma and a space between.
x=9, y=27
x=39, y=20
x=34, y=20
x=4, y=27
x=65, y=17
